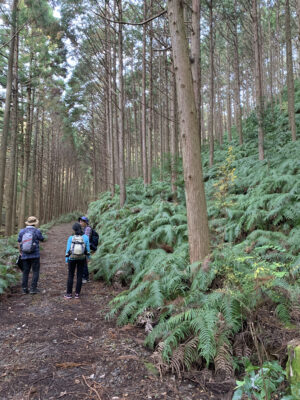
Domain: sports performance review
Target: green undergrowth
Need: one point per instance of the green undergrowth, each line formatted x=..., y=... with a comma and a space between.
x=196, y=314
x=9, y=273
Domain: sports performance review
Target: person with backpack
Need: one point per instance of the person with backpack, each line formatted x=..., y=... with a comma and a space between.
x=93, y=238
x=78, y=249
x=28, y=241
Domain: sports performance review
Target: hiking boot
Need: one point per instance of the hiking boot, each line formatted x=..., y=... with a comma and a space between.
x=67, y=296
x=76, y=296
x=25, y=290
x=84, y=281
x=34, y=291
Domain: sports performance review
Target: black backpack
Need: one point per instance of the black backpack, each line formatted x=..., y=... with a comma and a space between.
x=94, y=240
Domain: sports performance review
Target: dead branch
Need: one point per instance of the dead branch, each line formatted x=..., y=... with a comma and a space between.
x=93, y=389
x=132, y=23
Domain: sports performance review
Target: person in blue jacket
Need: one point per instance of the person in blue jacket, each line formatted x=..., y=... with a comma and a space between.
x=87, y=230
x=28, y=241
x=78, y=248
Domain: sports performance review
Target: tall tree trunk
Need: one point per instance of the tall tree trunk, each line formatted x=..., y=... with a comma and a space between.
x=33, y=188
x=6, y=116
x=144, y=105
x=298, y=41
x=121, y=110
x=167, y=111
x=211, y=85
x=228, y=97
x=174, y=134
x=270, y=64
x=27, y=142
x=258, y=80
x=237, y=86
x=199, y=242
x=160, y=102
x=111, y=150
x=290, y=74
x=41, y=168
x=195, y=57
x=151, y=112
x=9, y=221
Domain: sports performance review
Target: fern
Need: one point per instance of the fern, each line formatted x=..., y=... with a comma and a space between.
x=256, y=238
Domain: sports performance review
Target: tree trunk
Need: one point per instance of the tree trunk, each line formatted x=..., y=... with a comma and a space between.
x=228, y=97
x=9, y=222
x=298, y=41
x=237, y=86
x=144, y=106
x=6, y=116
x=290, y=74
x=150, y=134
x=195, y=57
x=211, y=85
x=33, y=188
x=174, y=135
x=121, y=111
x=41, y=169
x=199, y=242
x=27, y=141
x=258, y=81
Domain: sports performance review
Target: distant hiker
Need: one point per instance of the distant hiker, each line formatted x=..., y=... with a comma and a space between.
x=78, y=249
x=28, y=241
x=87, y=230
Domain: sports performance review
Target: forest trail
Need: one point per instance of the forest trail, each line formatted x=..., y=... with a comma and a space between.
x=53, y=348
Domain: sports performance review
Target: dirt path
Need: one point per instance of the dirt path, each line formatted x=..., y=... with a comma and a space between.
x=52, y=348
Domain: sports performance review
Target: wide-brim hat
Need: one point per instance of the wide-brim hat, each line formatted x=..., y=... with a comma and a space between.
x=32, y=221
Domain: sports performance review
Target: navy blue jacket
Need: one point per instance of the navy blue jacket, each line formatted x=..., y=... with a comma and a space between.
x=38, y=238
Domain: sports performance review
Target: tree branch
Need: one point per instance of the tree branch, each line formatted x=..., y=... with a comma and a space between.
x=132, y=23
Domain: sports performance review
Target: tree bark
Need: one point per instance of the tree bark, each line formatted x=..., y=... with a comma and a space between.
x=174, y=135
x=27, y=141
x=199, y=242
x=228, y=97
x=298, y=41
x=9, y=222
x=151, y=113
x=6, y=116
x=144, y=105
x=195, y=57
x=258, y=80
x=290, y=74
x=121, y=111
x=211, y=86
x=237, y=86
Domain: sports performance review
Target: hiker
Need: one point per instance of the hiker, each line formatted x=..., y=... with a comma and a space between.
x=28, y=242
x=84, y=223
x=78, y=249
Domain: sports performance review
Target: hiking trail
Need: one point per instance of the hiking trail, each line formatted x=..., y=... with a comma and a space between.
x=53, y=348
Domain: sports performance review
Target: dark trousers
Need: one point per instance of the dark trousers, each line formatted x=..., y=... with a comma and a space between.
x=72, y=264
x=29, y=263
x=85, y=270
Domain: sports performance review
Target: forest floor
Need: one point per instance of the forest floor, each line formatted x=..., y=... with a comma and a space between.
x=53, y=348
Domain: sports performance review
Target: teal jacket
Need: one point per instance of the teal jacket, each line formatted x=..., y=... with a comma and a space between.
x=86, y=242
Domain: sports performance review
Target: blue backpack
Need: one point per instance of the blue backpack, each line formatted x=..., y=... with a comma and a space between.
x=28, y=244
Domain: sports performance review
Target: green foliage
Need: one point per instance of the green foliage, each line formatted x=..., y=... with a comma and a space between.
x=260, y=382
x=8, y=255
x=8, y=277
x=254, y=214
